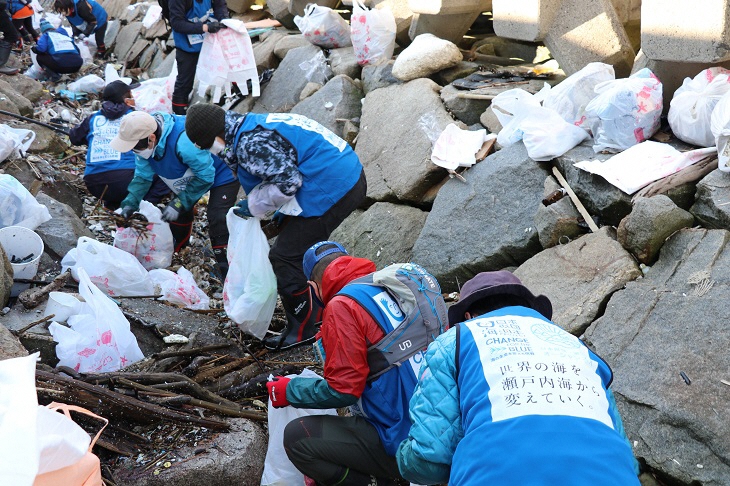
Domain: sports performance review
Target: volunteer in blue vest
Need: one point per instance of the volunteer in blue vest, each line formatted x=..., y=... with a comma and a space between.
x=508, y=397
x=22, y=12
x=190, y=19
x=162, y=148
x=10, y=37
x=297, y=172
x=86, y=17
x=108, y=173
x=357, y=450
x=55, y=53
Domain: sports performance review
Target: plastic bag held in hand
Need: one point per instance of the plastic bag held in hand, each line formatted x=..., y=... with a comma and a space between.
x=99, y=338
x=372, y=33
x=249, y=292
x=324, y=27
x=153, y=248
x=690, y=111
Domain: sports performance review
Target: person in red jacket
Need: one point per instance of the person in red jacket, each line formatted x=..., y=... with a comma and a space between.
x=357, y=450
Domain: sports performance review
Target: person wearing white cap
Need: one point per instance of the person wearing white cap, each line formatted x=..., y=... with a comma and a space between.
x=162, y=148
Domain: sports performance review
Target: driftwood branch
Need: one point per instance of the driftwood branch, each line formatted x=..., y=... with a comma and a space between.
x=690, y=174
x=31, y=298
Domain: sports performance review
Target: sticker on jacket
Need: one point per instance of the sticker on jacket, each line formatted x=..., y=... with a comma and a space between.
x=533, y=367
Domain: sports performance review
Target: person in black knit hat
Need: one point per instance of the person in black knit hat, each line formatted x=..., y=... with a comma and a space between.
x=295, y=171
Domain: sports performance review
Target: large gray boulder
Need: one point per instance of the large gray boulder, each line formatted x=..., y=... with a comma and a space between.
x=467, y=110
x=426, y=55
x=10, y=98
x=126, y=38
x=10, y=347
x=63, y=230
x=385, y=233
x=343, y=61
x=674, y=320
x=283, y=90
x=379, y=76
x=289, y=42
x=486, y=223
x=652, y=221
x=393, y=147
x=263, y=51
x=556, y=223
x=29, y=88
x=710, y=208
x=58, y=184
x=339, y=99
x=580, y=277
x=6, y=278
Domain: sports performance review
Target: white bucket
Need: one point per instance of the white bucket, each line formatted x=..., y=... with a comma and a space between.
x=21, y=242
x=62, y=306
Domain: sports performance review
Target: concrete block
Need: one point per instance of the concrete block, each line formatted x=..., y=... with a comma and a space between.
x=239, y=6
x=584, y=32
x=451, y=27
x=448, y=7
x=684, y=31
x=296, y=7
x=279, y=9
x=628, y=11
x=527, y=20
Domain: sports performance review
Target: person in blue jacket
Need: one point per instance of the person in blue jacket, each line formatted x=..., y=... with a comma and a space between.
x=162, y=148
x=508, y=397
x=189, y=20
x=86, y=17
x=297, y=172
x=108, y=173
x=56, y=53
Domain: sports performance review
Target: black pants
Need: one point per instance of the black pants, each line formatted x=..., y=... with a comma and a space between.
x=61, y=64
x=300, y=233
x=187, y=63
x=99, y=36
x=339, y=450
x=116, y=183
x=10, y=33
x=25, y=28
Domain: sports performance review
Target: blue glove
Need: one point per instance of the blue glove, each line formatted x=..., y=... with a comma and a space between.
x=278, y=218
x=241, y=209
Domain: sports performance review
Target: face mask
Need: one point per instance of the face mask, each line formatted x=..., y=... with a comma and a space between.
x=145, y=154
x=217, y=147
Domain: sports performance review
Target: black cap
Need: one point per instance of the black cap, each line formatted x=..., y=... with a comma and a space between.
x=116, y=92
x=203, y=123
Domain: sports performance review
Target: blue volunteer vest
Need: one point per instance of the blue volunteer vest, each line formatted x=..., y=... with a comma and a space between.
x=177, y=174
x=194, y=42
x=99, y=156
x=96, y=9
x=59, y=43
x=534, y=407
x=16, y=5
x=328, y=164
x=384, y=402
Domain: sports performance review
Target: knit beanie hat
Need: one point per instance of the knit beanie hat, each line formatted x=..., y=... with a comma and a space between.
x=45, y=26
x=203, y=123
x=116, y=92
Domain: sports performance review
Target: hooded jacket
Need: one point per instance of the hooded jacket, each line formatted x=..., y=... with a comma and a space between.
x=96, y=131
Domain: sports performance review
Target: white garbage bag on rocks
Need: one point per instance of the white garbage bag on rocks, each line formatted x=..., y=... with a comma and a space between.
x=18, y=207
x=571, y=96
x=372, y=33
x=14, y=141
x=116, y=272
x=226, y=58
x=324, y=27
x=99, y=338
x=626, y=111
x=720, y=127
x=691, y=108
x=153, y=248
x=91, y=83
x=457, y=148
x=180, y=288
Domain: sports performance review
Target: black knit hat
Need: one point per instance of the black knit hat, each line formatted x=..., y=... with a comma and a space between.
x=203, y=123
x=116, y=92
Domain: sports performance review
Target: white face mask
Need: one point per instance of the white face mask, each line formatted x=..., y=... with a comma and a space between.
x=217, y=147
x=145, y=154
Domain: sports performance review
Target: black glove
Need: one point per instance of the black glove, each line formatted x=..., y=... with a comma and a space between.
x=89, y=30
x=127, y=212
x=214, y=26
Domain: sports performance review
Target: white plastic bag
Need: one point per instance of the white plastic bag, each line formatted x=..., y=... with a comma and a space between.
x=626, y=111
x=111, y=75
x=99, y=338
x=115, y=271
x=14, y=141
x=226, y=58
x=180, y=288
x=720, y=126
x=156, y=94
x=690, y=111
x=457, y=148
x=18, y=421
x=91, y=83
x=60, y=441
x=278, y=470
x=324, y=27
x=316, y=70
x=249, y=292
x=570, y=98
x=372, y=33
x=18, y=207
x=152, y=249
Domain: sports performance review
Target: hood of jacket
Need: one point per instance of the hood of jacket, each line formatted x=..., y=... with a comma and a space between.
x=341, y=272
x=112, y=111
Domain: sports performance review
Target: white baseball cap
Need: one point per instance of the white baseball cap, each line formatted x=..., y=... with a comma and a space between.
x=135, y=126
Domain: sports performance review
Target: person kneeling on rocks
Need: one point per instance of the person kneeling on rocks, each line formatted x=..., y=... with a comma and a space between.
x=108, y=173
x=357, y=450
x=86, y=17
x=162, y=148
x=55, y=54
x=288, y=165
x=507, y=397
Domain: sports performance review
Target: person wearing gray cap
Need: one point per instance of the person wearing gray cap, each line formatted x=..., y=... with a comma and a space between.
x=508, y=397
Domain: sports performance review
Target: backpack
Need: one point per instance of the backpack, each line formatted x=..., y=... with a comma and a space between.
x=165, y=5
x=418, y=295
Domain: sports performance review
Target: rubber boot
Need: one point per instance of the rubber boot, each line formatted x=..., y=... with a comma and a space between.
x=179, y=106
x=303, y=316
x=5, y=49
x=101, y=52
x=221, y=257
